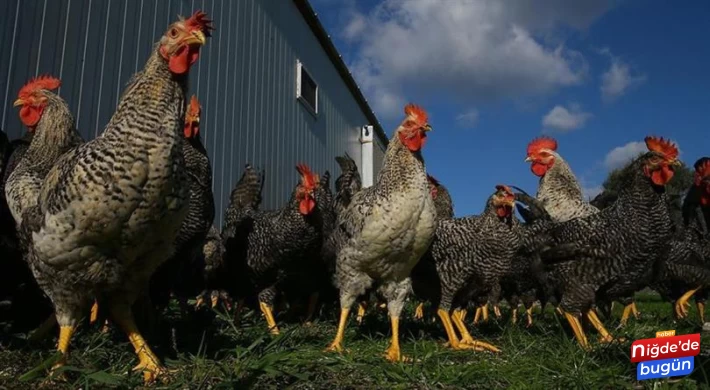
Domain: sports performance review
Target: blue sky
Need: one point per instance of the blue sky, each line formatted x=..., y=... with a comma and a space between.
x=597, y=76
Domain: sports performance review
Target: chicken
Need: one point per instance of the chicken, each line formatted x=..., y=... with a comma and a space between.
x=109, y=210
x=209, y=266
x=48, y=118
x=51, y=124
x=587, y=257
x=169, y=278
x=559, y=191
x=264, y=247
x=386, y=229
x=453, y=271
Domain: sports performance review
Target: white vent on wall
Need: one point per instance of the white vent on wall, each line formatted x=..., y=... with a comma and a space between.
x=366, y=141
x=306, y=88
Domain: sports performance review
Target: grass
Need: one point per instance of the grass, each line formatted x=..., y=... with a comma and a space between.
x=215, y=354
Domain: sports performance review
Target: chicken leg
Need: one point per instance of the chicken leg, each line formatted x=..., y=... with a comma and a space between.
x=147, y=361
x=454, y=341
x=604, y=335
x=701, y=310
x=419, y=311
x=337, y=344
x=65, y=334
x=361, y=310
x=628, y=311
x=528, y=313
x=681, y=305
x=577, y=329
x=394, y=353
x=269, y=315
x=458, y=320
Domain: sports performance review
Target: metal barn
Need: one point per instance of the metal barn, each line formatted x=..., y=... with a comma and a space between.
x=273, y=88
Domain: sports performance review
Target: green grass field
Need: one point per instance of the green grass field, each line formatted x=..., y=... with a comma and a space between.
x=218, y=355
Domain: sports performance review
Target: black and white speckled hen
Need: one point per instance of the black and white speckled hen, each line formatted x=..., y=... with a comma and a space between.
x=454, y=270
x=386, y=229
x=109, y=210
x=589, y=256
x=347, y=184
x=262, y=247
x=48, y=118
x=170, y=276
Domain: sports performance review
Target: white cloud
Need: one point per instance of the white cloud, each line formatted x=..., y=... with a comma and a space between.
x=563, y=119
x=469, y=50
x=468, y=118
x=621, y=155
x=619, y=78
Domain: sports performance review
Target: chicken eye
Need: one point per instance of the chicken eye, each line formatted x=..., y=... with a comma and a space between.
x=174, y=32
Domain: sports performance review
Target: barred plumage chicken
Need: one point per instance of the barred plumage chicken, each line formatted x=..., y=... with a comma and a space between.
x=264, y=247
x=109, y=210
x=386, y=229
x=454, y=271
x=347, y=184
x=588, y=256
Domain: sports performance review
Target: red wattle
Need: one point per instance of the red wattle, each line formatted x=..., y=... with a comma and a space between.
x=662, y=176
x=306, y=206
x=30, y=115
x=503, y=211
x=539, y=169
x=415, y=142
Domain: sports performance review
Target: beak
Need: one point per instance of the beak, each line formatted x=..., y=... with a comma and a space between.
x=676, y=163
x=197, y=119
x=427, y=127
x=18, y=102
x=528, y=159
x=197, y=37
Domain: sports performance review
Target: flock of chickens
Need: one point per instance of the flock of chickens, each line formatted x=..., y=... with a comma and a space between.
x=127, y=217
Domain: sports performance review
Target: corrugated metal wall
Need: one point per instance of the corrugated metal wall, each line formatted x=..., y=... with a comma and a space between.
x=245, y=79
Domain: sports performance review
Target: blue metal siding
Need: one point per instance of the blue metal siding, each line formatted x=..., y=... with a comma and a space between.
x=245, y=79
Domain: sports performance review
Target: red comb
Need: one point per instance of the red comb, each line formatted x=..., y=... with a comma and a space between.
x=199, y=21
x=308, y=178
x=432, y=180
x=417, y=112
x=541, y=143
x=42, y=82
x=194, y=105
x=662, y=146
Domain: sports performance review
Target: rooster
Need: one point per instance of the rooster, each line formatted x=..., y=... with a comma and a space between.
x=453, y=271
x=109, y=210
x=263, y=247
x=386, y=229
x=588, y=256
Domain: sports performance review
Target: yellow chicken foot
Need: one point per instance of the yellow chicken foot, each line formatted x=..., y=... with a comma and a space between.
x=681, y=305
x=635, y=311
x=94, y=313
x=577, y=329
x=214, y=299
x=65, y=334
x=701, y=311
x=514, y=318
x=626, y=315
x=269, y=315
x=496, y=311
x=312, y=305
x=604, y=335
x=528, y=313
x=477, y=316
x=147, y=361
x=393, y=353
x=458, y=320
x=43, y=329
x=419, y=311
x=361, y=310
x=337, y=344
x=454, y=341
x=200, y=301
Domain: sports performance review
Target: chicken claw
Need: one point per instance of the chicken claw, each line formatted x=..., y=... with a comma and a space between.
x=628, y=310
x=577, y=329
x=337, y=344
x=361, y=310
x=681, y=305
x=94, y=313
x=393, y=353
x=454, y=342
x=419, y=311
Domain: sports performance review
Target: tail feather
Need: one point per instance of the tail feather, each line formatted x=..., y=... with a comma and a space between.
x=534, y=209
x=247, y=192
x=348, y=183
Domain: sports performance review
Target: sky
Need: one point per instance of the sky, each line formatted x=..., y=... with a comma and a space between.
x=598, y=76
